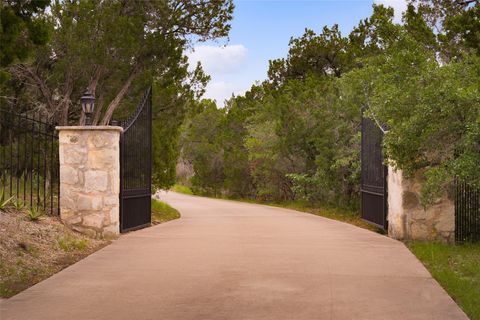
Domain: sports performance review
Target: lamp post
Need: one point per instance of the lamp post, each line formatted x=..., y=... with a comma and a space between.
x=88, y=104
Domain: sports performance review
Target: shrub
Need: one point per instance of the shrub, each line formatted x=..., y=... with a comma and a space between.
x=69, y=244
x=4, y=203
x=34, y=214
x=18, y=204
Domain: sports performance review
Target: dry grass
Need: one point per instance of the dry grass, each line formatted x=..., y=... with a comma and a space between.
x=32, y=251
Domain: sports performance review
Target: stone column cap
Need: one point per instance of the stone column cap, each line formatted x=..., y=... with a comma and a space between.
x=90, y=128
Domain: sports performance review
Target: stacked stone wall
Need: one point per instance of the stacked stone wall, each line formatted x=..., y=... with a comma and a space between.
x=408, y=219
x=90, y=179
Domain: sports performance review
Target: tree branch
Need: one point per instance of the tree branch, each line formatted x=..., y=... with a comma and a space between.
x=24, y=71
x=118, y=98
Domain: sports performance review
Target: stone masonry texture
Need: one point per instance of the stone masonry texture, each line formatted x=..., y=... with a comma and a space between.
x=408, y=219
x=90, y=179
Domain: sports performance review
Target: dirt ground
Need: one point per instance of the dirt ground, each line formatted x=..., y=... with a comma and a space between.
x=32, y=251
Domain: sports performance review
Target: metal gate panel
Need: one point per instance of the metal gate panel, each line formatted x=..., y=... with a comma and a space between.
x=374, y=175
x=136, y=167
x=467, y=212
x=29, y=164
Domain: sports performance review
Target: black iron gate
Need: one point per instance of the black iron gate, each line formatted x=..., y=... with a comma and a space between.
x=29, y=164
x=467, y=212
x=136, y=167
x=374, y=175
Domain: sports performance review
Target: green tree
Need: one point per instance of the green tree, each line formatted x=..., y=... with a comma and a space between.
x=22, y=27
x=433, y=115
x=115, y=48
x=173, y=100
x=429, y=105
x=202, y=147
x=297, y=135
x=323, y=54
x=456, y=25
x=238, y=179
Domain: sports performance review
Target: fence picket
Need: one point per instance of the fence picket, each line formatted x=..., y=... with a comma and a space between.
x=29, y=163
x=467, y=212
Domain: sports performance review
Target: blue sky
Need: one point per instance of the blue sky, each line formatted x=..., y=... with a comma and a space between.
x=261, y=30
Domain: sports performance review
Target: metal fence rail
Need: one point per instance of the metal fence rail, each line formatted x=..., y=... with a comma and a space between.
x=467, y=212
x=29, y=164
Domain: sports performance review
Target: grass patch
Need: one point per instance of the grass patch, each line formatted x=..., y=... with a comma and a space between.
x=69, y=244
x=162, y=212
x=34, y=214
x=334, y=213
x=456, y=268
x=182, y=189
x=19, y=277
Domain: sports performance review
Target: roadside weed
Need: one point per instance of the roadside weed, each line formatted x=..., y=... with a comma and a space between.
x=34, y=214
x=4, y=203
x=68, y=244
x=18, y=204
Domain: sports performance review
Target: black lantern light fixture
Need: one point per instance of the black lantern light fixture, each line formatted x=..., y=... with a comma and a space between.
x=88, y=104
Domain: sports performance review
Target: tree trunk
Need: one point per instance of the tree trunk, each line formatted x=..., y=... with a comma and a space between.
x=22, y=71
x=98, y=110
x=64, y=104
x=92, y=87
x=118, y=98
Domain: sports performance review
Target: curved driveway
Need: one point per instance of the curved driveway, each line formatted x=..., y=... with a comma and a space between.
x=230, y=260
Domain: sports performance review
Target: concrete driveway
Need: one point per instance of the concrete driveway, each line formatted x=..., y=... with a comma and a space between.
x=231, y=260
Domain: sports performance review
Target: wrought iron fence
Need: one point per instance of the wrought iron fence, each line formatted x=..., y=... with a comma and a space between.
x=29, y=164
x=467, y=212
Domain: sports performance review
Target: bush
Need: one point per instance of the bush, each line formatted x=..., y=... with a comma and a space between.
x=69, y=244
x=34, y=214
x=4, y=203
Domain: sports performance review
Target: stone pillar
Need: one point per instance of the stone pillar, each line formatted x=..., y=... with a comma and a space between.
x=408, y=219
x=397, y=223
x=90, y=179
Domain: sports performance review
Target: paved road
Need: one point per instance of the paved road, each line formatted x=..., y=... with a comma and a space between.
x=229, y=260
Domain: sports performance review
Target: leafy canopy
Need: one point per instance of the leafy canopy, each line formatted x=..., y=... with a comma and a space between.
x=297, y=134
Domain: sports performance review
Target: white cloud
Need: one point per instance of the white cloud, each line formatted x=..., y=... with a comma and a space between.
x=398, y=5
x=218, y=60
x=225, y=65
x=221, y=91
